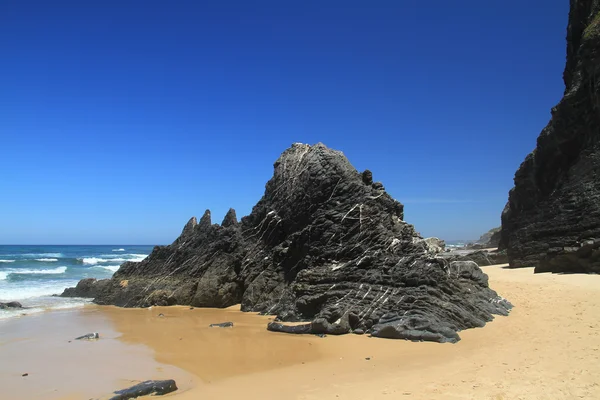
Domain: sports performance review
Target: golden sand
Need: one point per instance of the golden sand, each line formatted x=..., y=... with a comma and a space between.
x=548, y=348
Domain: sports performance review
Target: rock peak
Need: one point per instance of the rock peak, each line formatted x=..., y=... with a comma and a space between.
x=205, y=221
x=187, y=231
x=230, y=218
x=189, y=227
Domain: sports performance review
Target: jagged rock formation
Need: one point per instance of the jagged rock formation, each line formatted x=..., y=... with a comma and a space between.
x=325, y=243
x=554, y=208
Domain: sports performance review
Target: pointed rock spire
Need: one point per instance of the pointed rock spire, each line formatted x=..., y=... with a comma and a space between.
x=205, y=221
x=189, y=227
x=187, y=231
x=230, y=218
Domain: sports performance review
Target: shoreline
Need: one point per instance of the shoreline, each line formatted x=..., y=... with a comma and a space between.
x=546, y=348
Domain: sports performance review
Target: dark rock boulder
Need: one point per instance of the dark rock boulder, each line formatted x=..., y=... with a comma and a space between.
x=319, y=326
x=10, y=304
x=554, y=206
x=297, y=329
x=87, y=288
x=147, y=388
x=324, y=244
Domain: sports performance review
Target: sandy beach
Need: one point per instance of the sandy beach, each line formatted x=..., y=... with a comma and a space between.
x=548, y=348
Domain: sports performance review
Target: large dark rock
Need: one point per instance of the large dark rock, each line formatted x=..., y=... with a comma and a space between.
x=324, y=244
x=554, y=206
x=11, y=304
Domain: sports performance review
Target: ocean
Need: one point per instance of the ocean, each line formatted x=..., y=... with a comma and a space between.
x=32, y=274
x=453, y=244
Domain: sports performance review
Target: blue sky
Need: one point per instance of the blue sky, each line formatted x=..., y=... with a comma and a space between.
x=119, y=120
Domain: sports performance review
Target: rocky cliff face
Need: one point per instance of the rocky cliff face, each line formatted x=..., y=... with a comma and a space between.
x=490, y=239
x=554, y=208
x=324, y=243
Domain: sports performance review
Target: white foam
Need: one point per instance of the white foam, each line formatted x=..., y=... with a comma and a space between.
x=4, y=274
x=92, y=260
x=123, y=256
x=12, y=313
x=112, y=268
x=98, y=260
x=41, y=304
x=20, y=292
x=118, y=250
x=46, y=259
x=57, y=270
x=109, y=258
x=40, y=255
x=7, y=261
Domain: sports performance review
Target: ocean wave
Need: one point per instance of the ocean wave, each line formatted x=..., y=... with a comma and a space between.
x=112, y=259
x=53, y=271
x=42, y=304
x=126, y=256
x=118, y=249
x=39, y=255
x=7, y=261
x=92, y=260
x=98, y=260
x=112, y=268
x=3, y=275
x=20, y=292
x=46, y=259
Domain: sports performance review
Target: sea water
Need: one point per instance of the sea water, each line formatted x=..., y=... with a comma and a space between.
x=31, y=275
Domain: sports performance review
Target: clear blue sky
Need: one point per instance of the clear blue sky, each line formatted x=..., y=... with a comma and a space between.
x=119, y=120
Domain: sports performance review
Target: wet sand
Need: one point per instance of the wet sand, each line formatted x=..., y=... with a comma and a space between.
x=58, y=367
x=548, y=348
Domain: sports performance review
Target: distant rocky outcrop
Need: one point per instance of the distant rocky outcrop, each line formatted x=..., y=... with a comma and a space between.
x=324, y=244
x=554, y=208
x=491, y=238
x=480, y=257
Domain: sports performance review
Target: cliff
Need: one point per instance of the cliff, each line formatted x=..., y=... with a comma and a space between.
x=552, y=218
